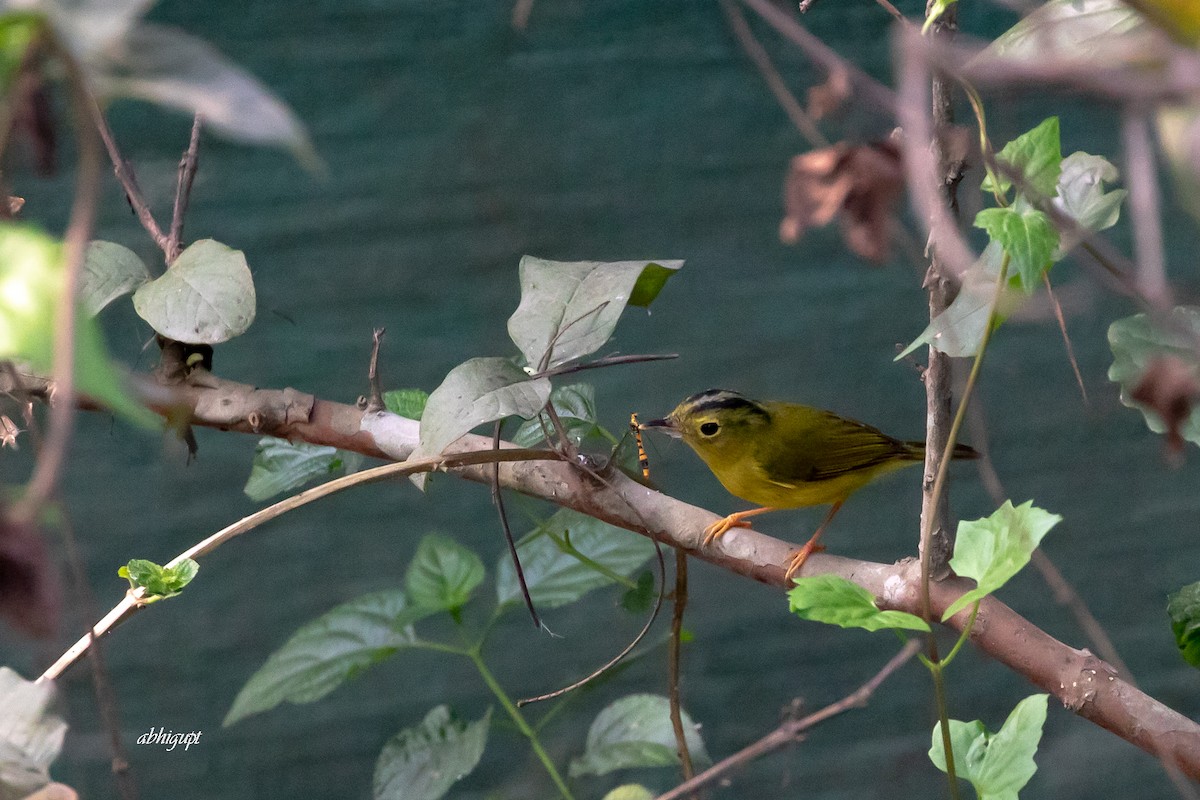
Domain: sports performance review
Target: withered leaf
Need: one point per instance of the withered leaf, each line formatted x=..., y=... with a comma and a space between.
x=1169, y=387
x=859, y=184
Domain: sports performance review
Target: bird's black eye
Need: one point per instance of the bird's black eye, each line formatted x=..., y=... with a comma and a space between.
x=709, y=428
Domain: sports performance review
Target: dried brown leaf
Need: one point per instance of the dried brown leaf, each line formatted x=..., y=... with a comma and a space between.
x=1169, y=387
x=828, y=97
x=860, y=184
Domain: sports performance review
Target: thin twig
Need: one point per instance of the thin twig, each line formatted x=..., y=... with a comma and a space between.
x=102, y=685
x=1066, y=337
x=793, y=730
x=498, y=501
x=52, y=460
x=874, y=92
x=183, y=191
x=895, y=12
x=374, y=388
x=762, y=60
x=128, y=181
x=133, y=599
x=607, y=361
x=679, y=603
x=662, y=571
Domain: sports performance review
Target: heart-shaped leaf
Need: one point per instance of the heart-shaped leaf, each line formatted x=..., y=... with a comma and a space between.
x=110, y=271
x=206, y=297
x=569, y=309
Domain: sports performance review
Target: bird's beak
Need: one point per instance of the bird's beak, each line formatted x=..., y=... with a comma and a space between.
x=666, y=425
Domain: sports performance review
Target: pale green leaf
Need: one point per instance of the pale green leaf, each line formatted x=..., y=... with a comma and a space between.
x=636, y=731
x=477, y=391
x=555, y=576
x=424, y=761
x=993, y=549
x=443, y=574
x=1140, y=340
x=30, y=736
x=166, y=66
x=569, y=309
x=837, y=601
x=1082, y=195
x=1103, y=33
x=958, y=331
x=206, y=297
x=110, y=271
x=328, y=651
x=997, y=764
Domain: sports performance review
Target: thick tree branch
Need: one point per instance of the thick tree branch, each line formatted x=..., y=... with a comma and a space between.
x=1080, y=680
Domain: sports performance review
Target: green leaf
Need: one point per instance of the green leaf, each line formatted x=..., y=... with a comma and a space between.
x=30, y=737
x=443, y=574
x=408, y=403
x=1178, y=129
x=109, y=271
x=958, y=331
x=635, y=731
x=1081, y=192
x=640, y=599
x=993, y=549
x=159, y=582
x=1079, y=32
x=477, y=391
x=280, y=466
x=998, y=764
x=837, y=601
x=557, y=577
x=1037, y=155
x=171, y=68
x=1138, y=341
x=1183, y=607
x=1027, y=236
x=31, y=281
x=630, y=791
x=569, y=309
x=424, y=761
x=17, y=32
x=576, y=407
x=206, y=297
x=330, y=650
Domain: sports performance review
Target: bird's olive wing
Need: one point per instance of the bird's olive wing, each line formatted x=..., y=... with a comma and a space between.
x=820, y=445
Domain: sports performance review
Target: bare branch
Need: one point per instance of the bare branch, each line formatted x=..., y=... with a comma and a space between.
x=762, y=60
x=183, y=191
x=1141, y=176
x=793, y=730
x=128, y=181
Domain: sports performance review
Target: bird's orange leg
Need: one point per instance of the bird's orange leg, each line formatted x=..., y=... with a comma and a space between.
x=811, y=545
x=735, y=520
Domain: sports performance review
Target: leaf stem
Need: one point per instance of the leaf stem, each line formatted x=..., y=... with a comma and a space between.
x=519, y=720
x=564, y=544
x=962, y=637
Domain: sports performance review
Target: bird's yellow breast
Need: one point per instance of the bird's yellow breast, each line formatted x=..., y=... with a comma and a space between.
x=746, y=478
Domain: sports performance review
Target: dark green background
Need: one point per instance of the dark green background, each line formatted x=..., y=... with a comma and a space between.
x=608, y=130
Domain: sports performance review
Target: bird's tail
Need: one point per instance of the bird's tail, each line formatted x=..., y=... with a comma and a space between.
x=917, y=451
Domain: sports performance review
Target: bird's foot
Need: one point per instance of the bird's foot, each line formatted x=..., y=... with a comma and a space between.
x=720, y=527
x=801, y=556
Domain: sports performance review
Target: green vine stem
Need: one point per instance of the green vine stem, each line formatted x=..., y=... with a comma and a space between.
x=519, y=720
